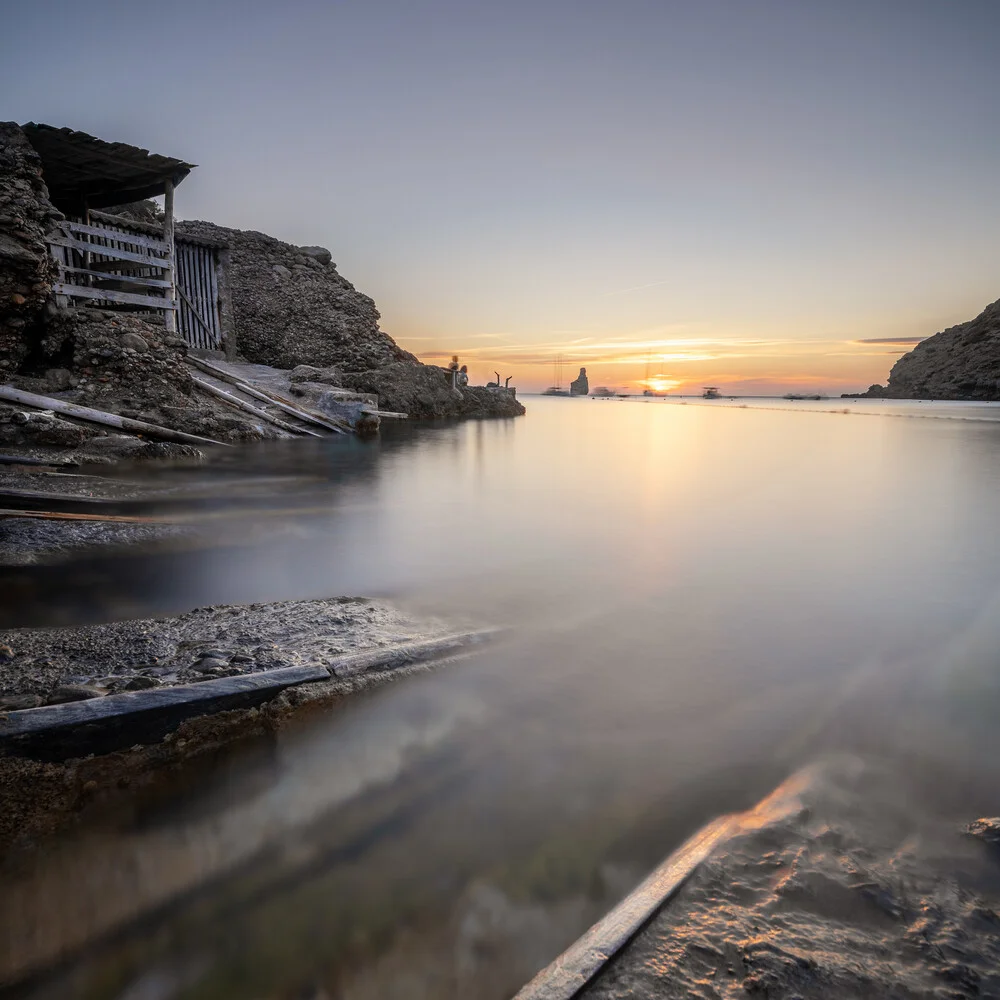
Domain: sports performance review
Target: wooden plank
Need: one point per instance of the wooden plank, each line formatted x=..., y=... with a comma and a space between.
x=580, y=963
x=265, y=397
x=114, y=266
x=115, y=254
x=121, y=236
x=242, y=404
x=393, y=657
x=137, y=279
x=209, y=333
x=110, y=295
x=170, y=320
x=206, y=694
x=93, y=416
x=56, y=515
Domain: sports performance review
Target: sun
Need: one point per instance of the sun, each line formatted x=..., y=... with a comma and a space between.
x=660, y=383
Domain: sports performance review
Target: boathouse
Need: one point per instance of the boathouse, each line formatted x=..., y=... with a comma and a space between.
x=117, y=263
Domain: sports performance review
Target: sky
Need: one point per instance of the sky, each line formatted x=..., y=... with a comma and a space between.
x=765, y=195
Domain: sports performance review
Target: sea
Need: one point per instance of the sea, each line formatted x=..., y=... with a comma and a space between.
x=696, y=597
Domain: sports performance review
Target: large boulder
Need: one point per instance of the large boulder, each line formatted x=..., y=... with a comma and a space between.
x=425, y=392
x=962, y=362
x=580, y=386
x=26, y=268
x=291, y=307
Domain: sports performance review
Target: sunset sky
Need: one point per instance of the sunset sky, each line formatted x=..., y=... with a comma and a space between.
x=758, y=194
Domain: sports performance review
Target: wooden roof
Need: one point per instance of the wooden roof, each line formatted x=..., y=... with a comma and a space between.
x=78, y=168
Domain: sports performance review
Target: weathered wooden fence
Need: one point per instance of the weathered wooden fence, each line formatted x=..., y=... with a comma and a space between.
x=120, y=264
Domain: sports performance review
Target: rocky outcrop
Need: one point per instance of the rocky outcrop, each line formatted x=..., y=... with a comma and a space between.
x=962, y=362
x=292, y=307
x=425, y=392
x=580, y=386
x=26, y=270
x=117, y=363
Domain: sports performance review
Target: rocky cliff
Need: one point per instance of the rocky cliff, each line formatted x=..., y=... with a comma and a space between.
x=26, y=270
x=292, y=307
x=962, y=362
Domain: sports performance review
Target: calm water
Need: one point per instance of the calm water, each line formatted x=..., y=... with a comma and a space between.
x=700, y=597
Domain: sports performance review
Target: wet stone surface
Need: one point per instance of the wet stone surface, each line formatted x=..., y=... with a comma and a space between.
x=57, y=665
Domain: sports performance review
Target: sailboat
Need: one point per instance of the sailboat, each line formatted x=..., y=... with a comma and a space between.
x=557, y=389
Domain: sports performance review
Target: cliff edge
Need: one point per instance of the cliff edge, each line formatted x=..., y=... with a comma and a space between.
x=962, y=362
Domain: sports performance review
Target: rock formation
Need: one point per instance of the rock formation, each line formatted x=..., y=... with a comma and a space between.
x=26, y=270
x=962, y=362
x=580, y=386
x=425, y=392
x=292, y=307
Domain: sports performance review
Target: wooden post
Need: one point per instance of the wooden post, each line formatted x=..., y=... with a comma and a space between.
x=170, y=318
x=87, y=280
x=227, y=323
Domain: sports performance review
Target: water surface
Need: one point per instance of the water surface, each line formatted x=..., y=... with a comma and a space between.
x=700, y=596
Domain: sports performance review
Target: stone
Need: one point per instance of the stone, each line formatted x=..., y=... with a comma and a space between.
x=135, y=342
x=6, y=654
x=142, y=683
x=281, y=271
x=213, y=654
x=210, y=665
x=18, y=702
x=320, y=254
x=59, y=379
x=74, y=692
x=322, y=376
x=580, y=386
x=986, y=829
x=241, y=658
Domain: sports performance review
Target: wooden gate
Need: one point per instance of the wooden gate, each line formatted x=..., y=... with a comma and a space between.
x=121, y=264
x=200, y=322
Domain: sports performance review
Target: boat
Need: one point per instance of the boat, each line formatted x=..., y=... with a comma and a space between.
x=798, y=395
x=603, y=391
x=557, y=389
x=711, y=392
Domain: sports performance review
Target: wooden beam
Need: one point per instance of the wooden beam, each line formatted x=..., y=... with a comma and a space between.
x=196, y=314
x=136, y=258
x=114, y=266
x=393, y=657
x=111, y=234
x=137, y=279
x=308, y=415
x=246, y=407
x=124, y=298
x=207, y=695
x=86, y=413
x=170, y=320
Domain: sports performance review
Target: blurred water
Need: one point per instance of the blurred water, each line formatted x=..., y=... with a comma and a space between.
x=700, y=596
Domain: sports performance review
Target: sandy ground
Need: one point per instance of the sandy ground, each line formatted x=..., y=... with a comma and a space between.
x=861, y=893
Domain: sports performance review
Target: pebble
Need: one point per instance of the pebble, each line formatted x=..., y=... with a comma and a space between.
x=141, y=683
x=241, y=658
x=15, y=702
x=74, y=692
x=210, y=664
x=214, y=654
x=6, y=654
